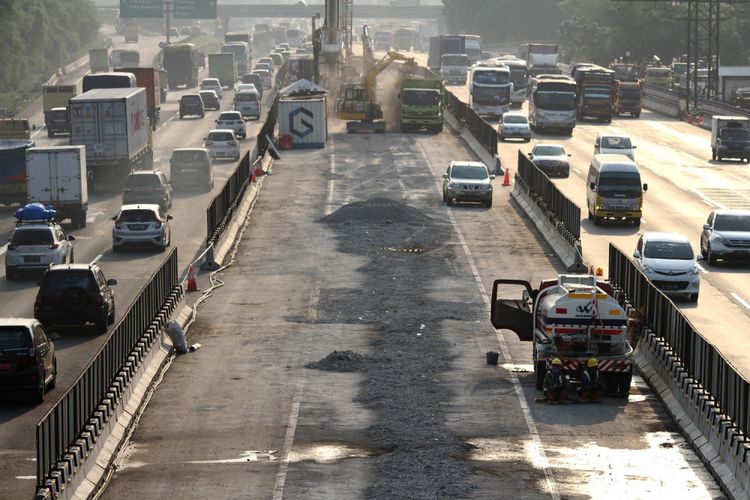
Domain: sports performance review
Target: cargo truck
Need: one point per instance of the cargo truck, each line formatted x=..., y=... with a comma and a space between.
x=179, y=61
x=149, y=79
x=113, y=125
x=730, y=137
x=383, y=40
x=444, y=44
x=15, y=128
x=55, y=105
x=223, y=67
x=242, y=59
x=130, y=30
x=628, y=98
x=596, y=92
x=13, y=170
x=541, y=58
x=98, y=60
x=57, y=176
x=130, y=58
x=404, y=39
x=421, y=103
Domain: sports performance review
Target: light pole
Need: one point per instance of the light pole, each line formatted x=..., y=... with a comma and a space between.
x=167, y=11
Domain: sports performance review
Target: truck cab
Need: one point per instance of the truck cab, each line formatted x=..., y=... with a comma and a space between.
x=730, y=137
x=454, y=68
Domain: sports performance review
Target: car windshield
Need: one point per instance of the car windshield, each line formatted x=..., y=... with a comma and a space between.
x=562, y=101
x=491, y=95
x=616, y=143
x=469, y=172
x=59, y=281
x=221, y=136
x=735, y=134
x=548, y=151
x=137, y=215
x=732, y=223
x=14, y=337
x=32, y=237
x=189, y=156
x=263, y=66
x=490, y=76
x=515, y=119
x=191, y=99
x=421, y=97
x=210, y=83
x=455, y=61
x=679, y=250
x=228, y=117
x=142, y=180
x=596, y=92
x=625, y=184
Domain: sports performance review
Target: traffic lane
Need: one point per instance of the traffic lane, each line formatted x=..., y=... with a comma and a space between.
x=717, y=315
x=581, y=445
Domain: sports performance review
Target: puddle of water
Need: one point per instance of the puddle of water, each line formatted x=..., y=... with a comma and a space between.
x=328, y=453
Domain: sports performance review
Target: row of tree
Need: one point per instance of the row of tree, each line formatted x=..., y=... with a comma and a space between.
x=599, y=30
x=38, y=36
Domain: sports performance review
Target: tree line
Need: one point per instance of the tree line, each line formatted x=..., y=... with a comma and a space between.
x=599, y=30
x=39, y=36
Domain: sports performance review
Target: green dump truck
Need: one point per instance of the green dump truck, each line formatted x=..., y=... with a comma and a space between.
x=99, y=60
x=421, y=103
x=55, y=104
x=223, y=67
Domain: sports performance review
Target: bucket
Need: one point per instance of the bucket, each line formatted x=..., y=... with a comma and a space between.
x=492, y=357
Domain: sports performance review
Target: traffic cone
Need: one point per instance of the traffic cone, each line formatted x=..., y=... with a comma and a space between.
x=699, y=120
x=506, y=179
x=192, y=286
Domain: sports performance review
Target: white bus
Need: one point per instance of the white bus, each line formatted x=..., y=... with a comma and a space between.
x=518, y=77
x=552, y=103
x=490, y=90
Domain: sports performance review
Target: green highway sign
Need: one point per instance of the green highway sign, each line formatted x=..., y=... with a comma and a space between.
x=194, y=9
x=144, y=9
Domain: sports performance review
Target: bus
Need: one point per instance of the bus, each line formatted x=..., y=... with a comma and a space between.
x=518, y=76
x=294, y=37
x=552, y=103
x=473, y=47
x=490, y=90
x=237, y=36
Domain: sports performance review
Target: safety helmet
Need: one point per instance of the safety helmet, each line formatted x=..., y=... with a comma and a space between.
x=592, y=362
x=557, y=362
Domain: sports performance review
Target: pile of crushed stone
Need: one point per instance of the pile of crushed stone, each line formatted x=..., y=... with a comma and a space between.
x=346, y=361
x=379, y=211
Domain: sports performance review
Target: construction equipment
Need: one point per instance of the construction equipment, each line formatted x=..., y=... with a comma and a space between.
x=573, y=318
x=357, y=101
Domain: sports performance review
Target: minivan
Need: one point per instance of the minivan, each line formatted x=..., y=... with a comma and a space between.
x=614, y=190
x=191, y=168
x=247, y=102
x=612, y=143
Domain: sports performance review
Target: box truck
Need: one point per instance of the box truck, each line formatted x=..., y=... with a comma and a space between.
x=57, y=176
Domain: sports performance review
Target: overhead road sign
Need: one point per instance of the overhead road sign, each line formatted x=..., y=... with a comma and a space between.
x=143, y=9
x=194, y=9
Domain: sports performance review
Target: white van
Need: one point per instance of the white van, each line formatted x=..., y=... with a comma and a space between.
x=614, y=190
x=247, y=102
x=613, y=143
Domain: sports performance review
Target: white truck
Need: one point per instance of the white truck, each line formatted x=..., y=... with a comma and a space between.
x=730, y=137
x=113, y=125
x=57, y=176
x=541, y=58
x=454, y=68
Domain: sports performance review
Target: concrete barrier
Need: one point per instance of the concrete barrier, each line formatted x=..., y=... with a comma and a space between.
x=724, y=451
x=662, y=106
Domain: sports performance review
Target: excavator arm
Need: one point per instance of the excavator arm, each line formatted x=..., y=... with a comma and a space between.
x=372, y=74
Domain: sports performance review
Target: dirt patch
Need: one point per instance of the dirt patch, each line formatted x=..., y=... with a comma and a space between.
x=379, y=211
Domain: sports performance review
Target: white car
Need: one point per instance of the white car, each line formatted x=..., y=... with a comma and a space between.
x=245, y=86
x=514, y=126
x=613, y=143
x=265, y=77
x=668, y=261
x=33, y=246
x=233, y=121
x=212, y=84
x=266, y=60
x=221, y=143
x=141, y=225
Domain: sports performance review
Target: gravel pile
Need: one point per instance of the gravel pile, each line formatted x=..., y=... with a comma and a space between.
x=403, y=380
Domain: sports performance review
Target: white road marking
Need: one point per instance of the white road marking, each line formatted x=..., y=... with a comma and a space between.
x=25, y=477
x=536, y=447
x=577, y=171
x=3, y=249
x=707, y=200
x=740, y=300
x=330, y=185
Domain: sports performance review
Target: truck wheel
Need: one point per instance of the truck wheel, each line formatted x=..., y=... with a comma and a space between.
x=79, y=220
x=637, y=115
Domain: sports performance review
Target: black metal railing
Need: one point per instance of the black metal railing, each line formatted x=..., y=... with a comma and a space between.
x=561, y=211
x=482, y=131
x=64, y=423
x=702, y=361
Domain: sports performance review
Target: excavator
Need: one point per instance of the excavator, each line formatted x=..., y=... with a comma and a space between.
x=357, y=103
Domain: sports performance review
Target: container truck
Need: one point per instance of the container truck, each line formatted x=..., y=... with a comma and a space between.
x=404, y=39
x=571, y=318
x=57, y=176
x=444, y=44
x=730, y=137
x=179, y=61
x=98, y=60
x=223, y=67
x=13, y=170
x=421, y=104
x=596, y=92
x=149, y=79
x=541, y=58
x=113, y=125
x=241, y=51
x=55, y=105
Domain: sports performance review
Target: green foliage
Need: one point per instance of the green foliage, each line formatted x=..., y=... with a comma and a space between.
x=38, y=36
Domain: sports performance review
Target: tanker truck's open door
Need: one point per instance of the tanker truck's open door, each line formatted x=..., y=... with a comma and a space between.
x=512, y=314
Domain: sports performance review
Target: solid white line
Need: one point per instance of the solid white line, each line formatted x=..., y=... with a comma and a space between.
x=3, y=249
x=541, y=457
x=740, y=300
x=577, y=171
x=330, y=185
x=291, y=428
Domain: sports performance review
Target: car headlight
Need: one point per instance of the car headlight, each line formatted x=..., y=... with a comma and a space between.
x=694, y=271
x=634, y=207
x=647, y=269
x=719, y=238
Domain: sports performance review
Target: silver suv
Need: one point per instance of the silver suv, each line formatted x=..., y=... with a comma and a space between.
x=33, y=246
x=232, y=120
x=726, y=235
x=668, y=261
x=467, y=181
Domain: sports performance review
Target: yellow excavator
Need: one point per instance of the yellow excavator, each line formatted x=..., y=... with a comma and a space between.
x=357, y=102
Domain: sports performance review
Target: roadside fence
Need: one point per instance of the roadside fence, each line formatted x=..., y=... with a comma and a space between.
x=66, y=434
x=701, y=360
x=482, y=131
x=563, y=213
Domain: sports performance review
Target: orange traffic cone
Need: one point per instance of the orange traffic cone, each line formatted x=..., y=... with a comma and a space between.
x=506, y=179
x=192, y=286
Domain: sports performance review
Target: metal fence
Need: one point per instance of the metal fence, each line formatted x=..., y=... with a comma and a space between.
x=482, y=131
x=64, y=423
x=708, y=107
x=700, y=359
x=562, y=212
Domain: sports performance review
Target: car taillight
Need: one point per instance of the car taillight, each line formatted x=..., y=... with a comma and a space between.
x=157, y=223
x=53, y=246
x=118, y=223
x=99, y=300
x=232, y=143
x=156, y=189
x=209, y=143
x=128, y=189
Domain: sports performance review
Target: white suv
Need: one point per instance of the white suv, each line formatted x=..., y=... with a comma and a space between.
x=232, y=120
x=212, y=84
x=33, y=246
x=221, y=143
x=668, y=261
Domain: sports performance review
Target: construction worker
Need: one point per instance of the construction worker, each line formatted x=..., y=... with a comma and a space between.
x=591, y=383
x=555, y=383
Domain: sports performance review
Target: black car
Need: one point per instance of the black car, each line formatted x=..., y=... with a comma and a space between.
x=74, y=295
x=148, y=186
x=255, y=80
x=210, y=99
x=27, y=357
x=191, y=104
